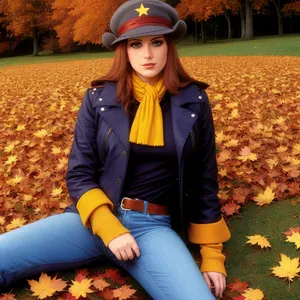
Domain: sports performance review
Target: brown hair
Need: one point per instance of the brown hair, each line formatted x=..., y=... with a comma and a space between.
x=175, y=77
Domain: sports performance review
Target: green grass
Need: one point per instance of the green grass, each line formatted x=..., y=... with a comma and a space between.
x=250, y=263
x=271, y=45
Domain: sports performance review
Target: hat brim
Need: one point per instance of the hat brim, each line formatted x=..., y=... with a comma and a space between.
x=177, y=31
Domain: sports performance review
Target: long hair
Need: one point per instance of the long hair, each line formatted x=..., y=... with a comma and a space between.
x=175, y=77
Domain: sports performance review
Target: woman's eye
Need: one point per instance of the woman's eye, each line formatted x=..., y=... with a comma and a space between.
x=157, y=43
x=135, y=44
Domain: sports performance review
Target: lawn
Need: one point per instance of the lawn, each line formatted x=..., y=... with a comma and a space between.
x=270, y=45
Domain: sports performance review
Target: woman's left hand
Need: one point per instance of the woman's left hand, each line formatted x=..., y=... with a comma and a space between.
x=216, y=280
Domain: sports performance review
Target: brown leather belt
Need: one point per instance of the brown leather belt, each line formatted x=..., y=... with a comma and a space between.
x=138, y=205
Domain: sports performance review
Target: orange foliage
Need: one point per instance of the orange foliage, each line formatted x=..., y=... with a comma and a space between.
x=292, y=7
x=83, y=21
x=23, y=16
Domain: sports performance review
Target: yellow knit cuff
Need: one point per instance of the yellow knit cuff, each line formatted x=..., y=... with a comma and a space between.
x=89, y=201
x=209, y=233
x=212, y=258
x=106, y=225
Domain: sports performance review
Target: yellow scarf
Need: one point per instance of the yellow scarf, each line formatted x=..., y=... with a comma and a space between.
x=147, y=127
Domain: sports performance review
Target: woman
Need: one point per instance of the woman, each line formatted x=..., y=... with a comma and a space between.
x=144, y=131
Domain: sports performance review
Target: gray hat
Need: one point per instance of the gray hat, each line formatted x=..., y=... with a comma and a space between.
x=143, y=18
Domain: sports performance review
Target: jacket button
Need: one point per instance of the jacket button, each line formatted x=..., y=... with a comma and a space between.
x=200, y=97
x=102, y=109
x=118, y=180
x=193, y=115
x=100, y=99
x=124, y=153
x=94, y=89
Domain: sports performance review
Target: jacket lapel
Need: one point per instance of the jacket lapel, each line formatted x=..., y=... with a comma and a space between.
x=114, y=113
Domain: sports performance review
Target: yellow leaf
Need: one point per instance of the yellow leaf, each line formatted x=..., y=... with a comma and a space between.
x=281, y=149
x=78, y=289
x=2, y=220
x=9, y=147
x=223, y=172
x=13, y=181
x=234, y=113
x=251, y=294
x=56, y=192
x=288, y=268
x=218, y=97
x=42, y=288
x=20, y=128
x=259, y=240
x=296, y=149
x=15, y=223
x=55, y=150
x=11, y=159
x=294, y=238
x=265, y=198
x=220, y=137
x=27, y=197
x=231, y=143
x=41, y=133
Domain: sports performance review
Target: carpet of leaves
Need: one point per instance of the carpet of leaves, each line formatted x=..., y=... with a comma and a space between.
x=255, y=103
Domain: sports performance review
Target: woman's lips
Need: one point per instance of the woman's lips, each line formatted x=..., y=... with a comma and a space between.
x=148, y=66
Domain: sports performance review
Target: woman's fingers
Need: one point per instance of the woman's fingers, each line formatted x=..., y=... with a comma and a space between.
x=207, y=280
x=124, y=247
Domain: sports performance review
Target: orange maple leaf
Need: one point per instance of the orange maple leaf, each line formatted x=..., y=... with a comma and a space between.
x=124, y=292
x=46, y=287
x=238, y=286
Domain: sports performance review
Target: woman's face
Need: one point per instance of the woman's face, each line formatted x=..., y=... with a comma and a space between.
x=147, y=56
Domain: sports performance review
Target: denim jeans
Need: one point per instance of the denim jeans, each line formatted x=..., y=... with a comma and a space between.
x=165, y=267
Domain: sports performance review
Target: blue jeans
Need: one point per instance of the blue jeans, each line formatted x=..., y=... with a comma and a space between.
x=165, y=267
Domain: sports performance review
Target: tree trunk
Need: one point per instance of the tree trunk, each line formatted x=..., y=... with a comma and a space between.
x=279, y=16
x=243, y=21
x=203, y=32
x=229, y=25
x=249, y=20
x=196, y=31
x=89, y=47
x=35, y=42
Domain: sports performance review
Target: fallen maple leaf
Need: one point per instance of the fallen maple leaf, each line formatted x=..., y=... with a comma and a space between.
x=288, y=268
x=46, y=287
x=124, y=292
x=251, y=294
x=290, y=232
x=294, y=238
x=266, y=198
x=238, y=286
x=82, y=288
x=15, y=223
x=259, y=240
x=100, y=284
x=245, y=154
x=8, y=297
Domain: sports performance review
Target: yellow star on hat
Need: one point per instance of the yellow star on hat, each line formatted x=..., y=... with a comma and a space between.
x=142, y=10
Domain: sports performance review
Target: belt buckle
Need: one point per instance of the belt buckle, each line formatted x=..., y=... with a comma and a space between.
x=121, y=204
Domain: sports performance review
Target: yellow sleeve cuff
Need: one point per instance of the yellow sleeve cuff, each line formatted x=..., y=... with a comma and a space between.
x=89, y=201
x=106, y=225
x=209, y=233
x=212, y=258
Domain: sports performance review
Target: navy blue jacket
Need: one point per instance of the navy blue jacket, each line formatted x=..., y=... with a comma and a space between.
x=100, y=152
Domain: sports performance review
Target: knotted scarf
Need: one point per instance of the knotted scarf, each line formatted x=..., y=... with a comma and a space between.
x=147, y=126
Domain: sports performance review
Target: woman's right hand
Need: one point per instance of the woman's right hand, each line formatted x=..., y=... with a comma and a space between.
x=124, y=247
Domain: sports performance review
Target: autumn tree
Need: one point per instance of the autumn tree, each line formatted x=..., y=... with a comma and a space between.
x=292, y=7
x=83, y=21
x=27, y=18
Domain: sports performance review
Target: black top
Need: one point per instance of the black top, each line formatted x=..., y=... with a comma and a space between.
x=153, y=171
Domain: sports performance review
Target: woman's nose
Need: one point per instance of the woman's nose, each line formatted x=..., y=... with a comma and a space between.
x=147, y=52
